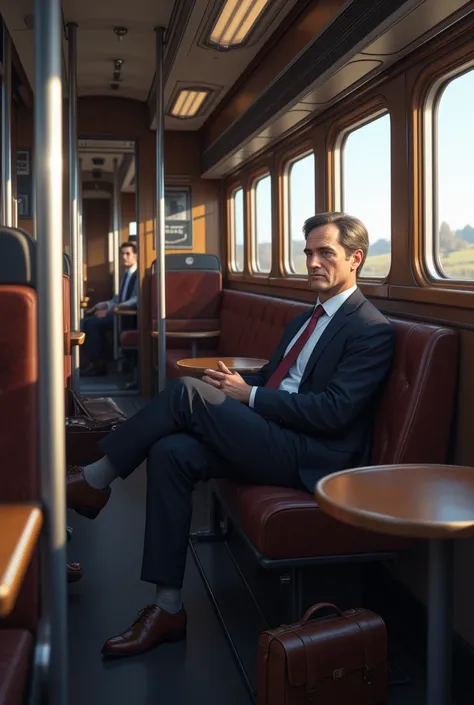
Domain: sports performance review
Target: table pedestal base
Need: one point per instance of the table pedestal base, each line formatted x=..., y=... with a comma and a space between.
x=440, y=607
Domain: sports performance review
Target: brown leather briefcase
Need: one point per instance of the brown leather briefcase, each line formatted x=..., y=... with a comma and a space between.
x=89, y=420
x=336, y=660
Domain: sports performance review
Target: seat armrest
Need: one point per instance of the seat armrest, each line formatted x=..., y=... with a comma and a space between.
x=77, y=337
x=189, y=335
x=125, y=312
x=20, y=526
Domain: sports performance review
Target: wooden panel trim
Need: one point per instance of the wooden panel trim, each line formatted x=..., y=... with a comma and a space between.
x=422, y=82
x=21, y=525
x=350, y=27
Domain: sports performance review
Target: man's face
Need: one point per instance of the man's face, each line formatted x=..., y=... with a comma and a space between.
x=330, y=269
x=129, y=258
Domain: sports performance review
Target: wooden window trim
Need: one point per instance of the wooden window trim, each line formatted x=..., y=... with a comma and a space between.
x=285, y=162
x=338, y=133
x=427, y=88
x=230, y=210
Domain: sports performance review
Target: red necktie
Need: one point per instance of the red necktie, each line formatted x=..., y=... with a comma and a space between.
x=290, y=359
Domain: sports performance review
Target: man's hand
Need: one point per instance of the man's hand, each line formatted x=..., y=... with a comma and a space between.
x=101, y=313
x=231, y=383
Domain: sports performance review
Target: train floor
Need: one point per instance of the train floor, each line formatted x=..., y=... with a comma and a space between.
x=202, y=669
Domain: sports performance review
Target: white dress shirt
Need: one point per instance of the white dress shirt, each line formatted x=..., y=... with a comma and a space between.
x=292, y=381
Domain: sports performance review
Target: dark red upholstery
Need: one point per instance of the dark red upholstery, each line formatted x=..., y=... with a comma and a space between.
x=250, y=325
x=413, y=426
x=129, y=339
x=18, y=424
x=16, y=648
x=19, y=472
x=192, y=300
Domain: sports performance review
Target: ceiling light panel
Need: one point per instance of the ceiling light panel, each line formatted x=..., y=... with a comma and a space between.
x=235, y=22
x=188, y=102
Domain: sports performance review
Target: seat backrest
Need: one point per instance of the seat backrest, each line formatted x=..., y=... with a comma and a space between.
x=415, y=413
x=252, y=324
x=193, y=292
x=416, y=408
x=19, y=468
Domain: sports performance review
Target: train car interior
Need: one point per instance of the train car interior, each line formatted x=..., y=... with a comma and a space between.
x=172, y=174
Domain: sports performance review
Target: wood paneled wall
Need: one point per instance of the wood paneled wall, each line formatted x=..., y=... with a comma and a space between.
x=408, y=291
x=118, y=118
x=96, y=215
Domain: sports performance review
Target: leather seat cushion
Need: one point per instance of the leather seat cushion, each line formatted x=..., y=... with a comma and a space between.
x=129, y=339
x=16, y=647
x=284, y=523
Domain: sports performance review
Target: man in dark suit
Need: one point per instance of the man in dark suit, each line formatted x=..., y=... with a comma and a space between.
x=102, y=320
x=308, y=412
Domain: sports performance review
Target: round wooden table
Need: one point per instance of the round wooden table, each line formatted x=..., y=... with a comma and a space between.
x=244, y=365
x=434, y=502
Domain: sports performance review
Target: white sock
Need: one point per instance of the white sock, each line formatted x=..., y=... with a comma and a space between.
x=100, y=474
x=168, y=598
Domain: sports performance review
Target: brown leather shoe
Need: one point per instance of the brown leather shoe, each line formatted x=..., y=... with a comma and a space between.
x=74, y=572
x=154, y=626
x=81, y=497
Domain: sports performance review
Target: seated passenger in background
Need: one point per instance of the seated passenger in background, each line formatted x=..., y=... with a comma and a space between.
x=97, y=326
x=307, y=413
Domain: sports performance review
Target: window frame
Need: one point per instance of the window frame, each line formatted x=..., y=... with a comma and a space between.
x=288, y=163
x=338, y=170
x=429, y=192
x=231, y=230
x=253, y=259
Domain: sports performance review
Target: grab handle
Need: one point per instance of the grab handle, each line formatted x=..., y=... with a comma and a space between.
x=315, y=608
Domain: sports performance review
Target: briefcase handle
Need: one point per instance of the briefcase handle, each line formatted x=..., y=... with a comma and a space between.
x=315, y=608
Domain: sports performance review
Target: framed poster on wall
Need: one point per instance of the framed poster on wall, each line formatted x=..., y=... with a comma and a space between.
x=178, y=218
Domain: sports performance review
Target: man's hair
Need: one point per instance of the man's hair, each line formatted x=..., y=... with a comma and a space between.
x=129, y=244
x=353, y=234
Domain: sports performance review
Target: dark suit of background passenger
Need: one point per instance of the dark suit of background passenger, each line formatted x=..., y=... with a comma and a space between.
x=96, y=327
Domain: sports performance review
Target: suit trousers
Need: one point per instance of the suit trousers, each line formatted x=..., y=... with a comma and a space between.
x=96, y=330
x=193, y=432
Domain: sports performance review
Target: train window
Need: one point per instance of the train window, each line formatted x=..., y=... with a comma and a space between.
x=450, y=222
x=366, y=187
x=300, y=204
x=237, y=230
x=262, y=224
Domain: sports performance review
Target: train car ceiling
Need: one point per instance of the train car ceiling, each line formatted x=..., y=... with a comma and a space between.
x=116, y=47
x=340, y=48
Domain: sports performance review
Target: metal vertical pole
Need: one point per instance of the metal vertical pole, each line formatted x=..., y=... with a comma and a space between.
x=73, y=195
x=49, y=229
x=80, y=235
x=440, y=621
x=160, y=211
x=7, y=193
x=116, y=244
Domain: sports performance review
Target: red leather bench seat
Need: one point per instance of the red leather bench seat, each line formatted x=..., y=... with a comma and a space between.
x=16, y=647
x=129, y=339
x=283, y=523
x=250, y=325
x=413, y=425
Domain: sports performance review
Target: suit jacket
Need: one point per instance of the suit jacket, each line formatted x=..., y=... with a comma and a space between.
x=334, y=409
x=131, y=293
